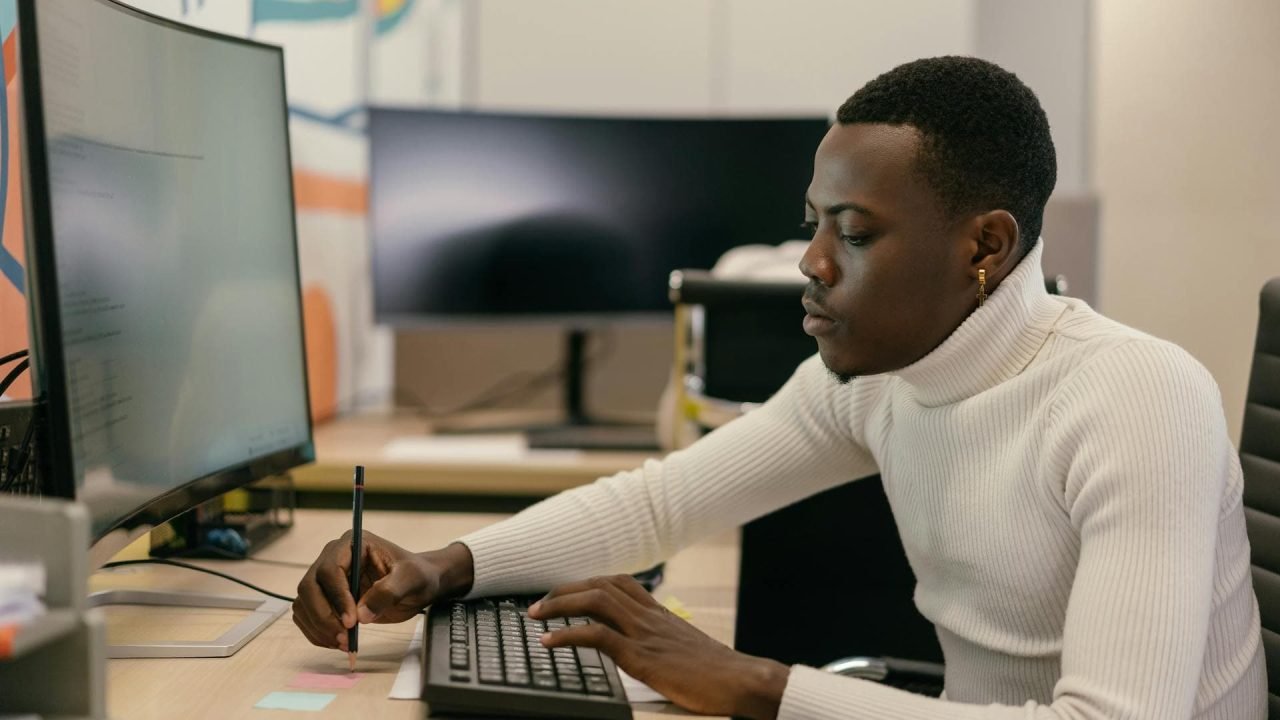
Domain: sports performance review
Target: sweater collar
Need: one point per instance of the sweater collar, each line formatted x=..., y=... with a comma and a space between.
x=994, y=343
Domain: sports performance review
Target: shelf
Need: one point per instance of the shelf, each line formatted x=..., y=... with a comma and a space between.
x=42, y=631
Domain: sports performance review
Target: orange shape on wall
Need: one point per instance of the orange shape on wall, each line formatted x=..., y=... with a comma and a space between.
x=322, y=352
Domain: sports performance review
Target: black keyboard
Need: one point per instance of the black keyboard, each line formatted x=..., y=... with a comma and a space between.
x=484, y=657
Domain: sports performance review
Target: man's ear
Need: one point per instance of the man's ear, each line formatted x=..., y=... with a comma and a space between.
x=996, y=244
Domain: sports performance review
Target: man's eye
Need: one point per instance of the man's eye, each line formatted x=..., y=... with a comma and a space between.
x=856, y=240
x=809, y=226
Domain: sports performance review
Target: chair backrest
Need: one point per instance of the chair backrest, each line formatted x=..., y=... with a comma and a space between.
x=1260, y=459
x=747, y=333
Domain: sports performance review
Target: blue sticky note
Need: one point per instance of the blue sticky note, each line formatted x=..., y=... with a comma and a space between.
x=304, y=701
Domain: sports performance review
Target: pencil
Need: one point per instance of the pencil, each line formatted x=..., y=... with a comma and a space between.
x=357, y=512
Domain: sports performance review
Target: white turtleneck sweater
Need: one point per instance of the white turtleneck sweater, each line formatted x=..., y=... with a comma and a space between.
x=1066, y=493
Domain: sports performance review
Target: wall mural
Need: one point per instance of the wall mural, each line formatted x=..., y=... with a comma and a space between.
x=13, y=286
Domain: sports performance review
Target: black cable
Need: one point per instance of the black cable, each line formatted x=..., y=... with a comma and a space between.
x=13, y=374
x=13, y=356
x=234, y=556
x=197, y=568
x=18, y=460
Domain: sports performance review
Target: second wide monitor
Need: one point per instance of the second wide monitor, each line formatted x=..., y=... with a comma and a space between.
x=481, y=217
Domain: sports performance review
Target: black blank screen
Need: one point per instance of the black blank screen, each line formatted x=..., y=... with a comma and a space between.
x=480, y=215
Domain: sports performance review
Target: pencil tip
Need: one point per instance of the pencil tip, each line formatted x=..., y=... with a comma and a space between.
x=351, y=661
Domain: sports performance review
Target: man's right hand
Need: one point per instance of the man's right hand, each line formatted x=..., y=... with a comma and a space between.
x=395, y=585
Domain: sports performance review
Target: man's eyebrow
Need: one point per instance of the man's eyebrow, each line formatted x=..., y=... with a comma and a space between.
x=841, y=207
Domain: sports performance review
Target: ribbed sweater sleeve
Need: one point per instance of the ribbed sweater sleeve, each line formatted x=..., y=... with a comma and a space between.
x=798, y=443
x=1138, y=436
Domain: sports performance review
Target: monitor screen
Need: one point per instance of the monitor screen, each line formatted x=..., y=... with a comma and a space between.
x=487, y=216
x=169, y=318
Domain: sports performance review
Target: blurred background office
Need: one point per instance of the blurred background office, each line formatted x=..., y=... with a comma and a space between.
x=1162, y=113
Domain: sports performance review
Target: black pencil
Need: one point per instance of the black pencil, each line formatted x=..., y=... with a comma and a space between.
x=357, y=511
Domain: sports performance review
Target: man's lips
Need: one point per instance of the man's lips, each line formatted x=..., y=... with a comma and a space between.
x=816, y=320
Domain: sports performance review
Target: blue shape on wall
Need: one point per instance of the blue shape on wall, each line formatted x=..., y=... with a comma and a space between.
x=303, y=10
x=386, y=23
x=350, y=120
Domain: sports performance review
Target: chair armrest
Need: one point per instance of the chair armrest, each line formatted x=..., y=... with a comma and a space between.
x=916, y=676
x=863, y=668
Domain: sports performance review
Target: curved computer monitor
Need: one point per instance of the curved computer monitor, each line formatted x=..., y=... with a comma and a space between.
x=164, y=258
x=484, y=217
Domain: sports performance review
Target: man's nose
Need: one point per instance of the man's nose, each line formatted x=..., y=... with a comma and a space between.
x=816, y=264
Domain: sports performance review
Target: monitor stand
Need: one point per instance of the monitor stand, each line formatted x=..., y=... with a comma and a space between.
x=264, y=612
x=580, y=431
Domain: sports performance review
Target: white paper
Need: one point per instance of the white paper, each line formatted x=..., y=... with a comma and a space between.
x=17, y=577
x=408, y=684
x=504, y=447
x=638, y=692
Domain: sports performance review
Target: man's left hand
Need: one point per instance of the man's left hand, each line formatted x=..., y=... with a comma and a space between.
x=661, y=650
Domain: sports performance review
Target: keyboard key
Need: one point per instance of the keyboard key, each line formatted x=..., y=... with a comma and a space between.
x=544, y=681
x=589, y=657
x=571, y=684
x=597, y=685
x=520, y=679
x=491, y=678
x=593, y=671
x=460, y=677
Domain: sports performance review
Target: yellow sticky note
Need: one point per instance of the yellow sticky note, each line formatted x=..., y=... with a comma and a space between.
x=677, y=608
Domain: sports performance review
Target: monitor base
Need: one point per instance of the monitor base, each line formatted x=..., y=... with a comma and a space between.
x=265, y=611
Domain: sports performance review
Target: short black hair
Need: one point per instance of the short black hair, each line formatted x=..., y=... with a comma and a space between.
x=985, y=141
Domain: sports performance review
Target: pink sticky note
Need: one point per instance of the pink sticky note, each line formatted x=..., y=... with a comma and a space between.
x=324, y=681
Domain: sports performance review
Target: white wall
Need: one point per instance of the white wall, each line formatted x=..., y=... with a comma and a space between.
x=700, y=56
x=807, y=56
x=1046, y=44
x=592, y=56
x=1188, y=166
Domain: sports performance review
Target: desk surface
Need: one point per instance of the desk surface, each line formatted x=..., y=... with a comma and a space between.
x=703, y=577
x=369, y=440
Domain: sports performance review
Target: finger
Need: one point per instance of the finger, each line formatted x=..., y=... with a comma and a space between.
x=336, y=586
x=612, y=585
x=319, y=633
x=599, y=603
x=314, y=607
x=595, y=635
x=633, y=589
x=567, y=589
x=309, y=631
x=386, y=593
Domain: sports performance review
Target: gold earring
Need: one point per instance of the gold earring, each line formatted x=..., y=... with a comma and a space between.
x=982, y=287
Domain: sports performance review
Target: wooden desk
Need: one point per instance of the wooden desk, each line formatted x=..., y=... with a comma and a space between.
x=343, y=443
x=703, y=577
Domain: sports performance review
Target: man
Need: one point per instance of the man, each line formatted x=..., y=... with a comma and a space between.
x=1064, y=486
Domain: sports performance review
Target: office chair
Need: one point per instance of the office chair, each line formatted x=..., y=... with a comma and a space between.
x=1260, y=460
